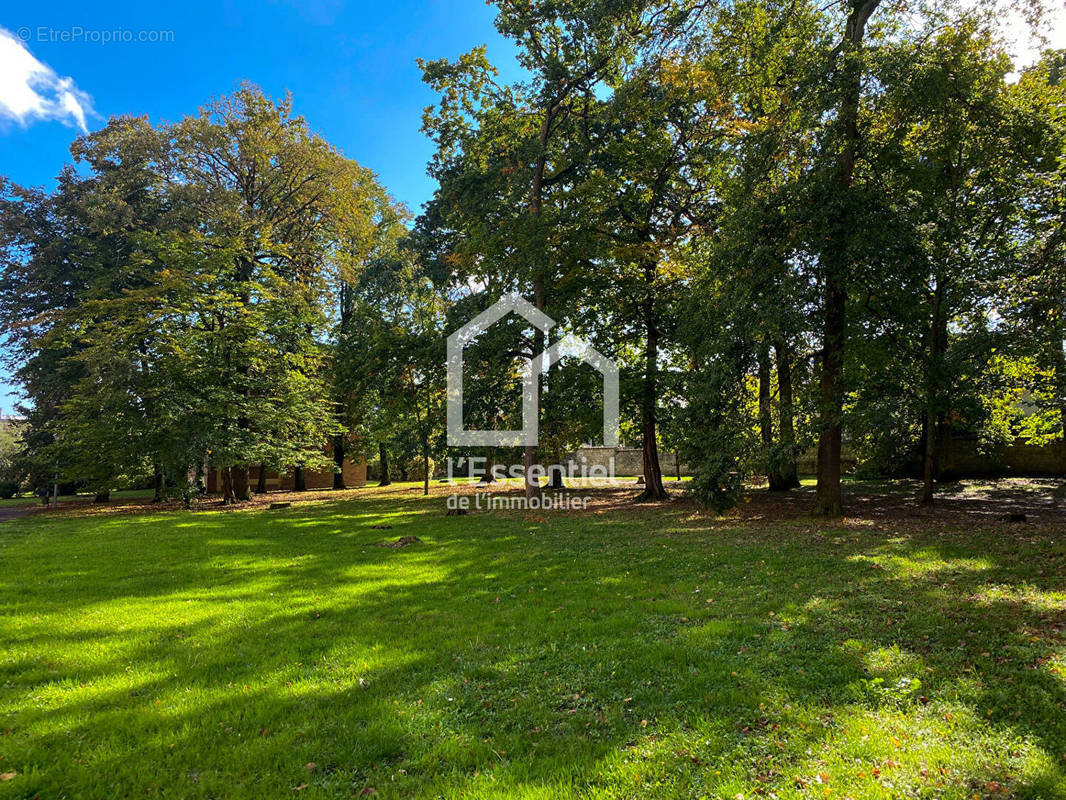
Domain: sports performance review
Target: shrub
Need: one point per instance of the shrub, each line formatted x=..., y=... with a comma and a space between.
x=8, y=489
x=416, y=469
x=716, y=484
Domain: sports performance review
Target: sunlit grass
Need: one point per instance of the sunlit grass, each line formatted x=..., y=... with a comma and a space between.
x=617, y=654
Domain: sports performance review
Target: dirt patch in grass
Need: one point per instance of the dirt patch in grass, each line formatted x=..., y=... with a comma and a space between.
x=894, y=504
x=889, y=505
x=281, y=500
x=403, y=541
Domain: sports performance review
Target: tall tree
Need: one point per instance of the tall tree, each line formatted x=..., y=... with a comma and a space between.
x=1035, y=297
x=507, y=155
x=170, y=303
x=279, y=200
x=655, y=147
x=836, y=259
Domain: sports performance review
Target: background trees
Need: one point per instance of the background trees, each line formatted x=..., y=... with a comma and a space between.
x=171, y=307
x=393, y=356
x=1034, y=297
x=788, y=223
x=508, y=156
x=281, y=202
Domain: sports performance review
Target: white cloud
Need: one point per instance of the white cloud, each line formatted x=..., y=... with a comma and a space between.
x=31, y=90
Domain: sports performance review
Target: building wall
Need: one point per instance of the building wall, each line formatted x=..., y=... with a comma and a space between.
x=354, y=477
x=964, y=457
x=807, y=462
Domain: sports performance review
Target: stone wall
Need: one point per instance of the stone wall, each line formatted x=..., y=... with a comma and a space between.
x=807, y=462
x=628, y=461
x=1018, y=458
x=10, y=424
x=964, y=458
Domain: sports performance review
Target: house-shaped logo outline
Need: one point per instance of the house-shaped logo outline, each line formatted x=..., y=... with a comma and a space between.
x=568, y=345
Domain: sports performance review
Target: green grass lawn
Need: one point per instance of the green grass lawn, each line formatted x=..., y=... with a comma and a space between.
x=30, y=500
x=630, y=653
x=26, y=500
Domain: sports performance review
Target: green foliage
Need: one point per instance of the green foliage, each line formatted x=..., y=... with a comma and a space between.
x=178, y=288
x=10, y=451
x=415, y=469
x=1016, y=402
x=716, y=483
x=391, y=355
x=776, y=218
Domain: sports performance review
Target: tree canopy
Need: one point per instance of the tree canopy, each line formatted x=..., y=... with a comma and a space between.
x=793, y=226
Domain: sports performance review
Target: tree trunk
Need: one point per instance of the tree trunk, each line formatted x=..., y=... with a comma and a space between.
x=766, y=422
x=653, y=474
x=786, y=426
x=261, y=482
x=926, y=496
x=766, y=425
x=529, y=461
x=536, y=190
x=345, y=298
x=828, y=497
x=1059, y=356
x=425, y=468
x=338, y=462
x=299, y=479
x=226, y=477
x=242, y=490
x=837, y=269
x=1059, y=359
x=103, y=496
x=529, y=452
x=933, y=415
x=555, y=476
x=157, y=482
x=383, y=454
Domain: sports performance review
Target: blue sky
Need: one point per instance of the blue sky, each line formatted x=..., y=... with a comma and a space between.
x=350, y=66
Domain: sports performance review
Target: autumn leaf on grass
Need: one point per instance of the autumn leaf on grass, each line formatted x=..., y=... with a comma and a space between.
x=6, y=776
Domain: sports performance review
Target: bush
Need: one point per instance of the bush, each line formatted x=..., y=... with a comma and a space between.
x=8, y=489
x=416, y=469
x=716, y=484
x=373, y=470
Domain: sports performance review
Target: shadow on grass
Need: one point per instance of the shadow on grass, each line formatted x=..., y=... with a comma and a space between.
x=255, y=654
